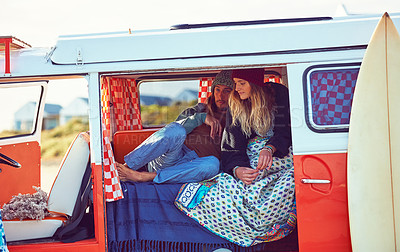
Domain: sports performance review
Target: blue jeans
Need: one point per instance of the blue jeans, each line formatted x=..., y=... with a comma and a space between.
x=165, y=153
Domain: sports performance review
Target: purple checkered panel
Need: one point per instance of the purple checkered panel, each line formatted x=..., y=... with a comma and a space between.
x=332, y=95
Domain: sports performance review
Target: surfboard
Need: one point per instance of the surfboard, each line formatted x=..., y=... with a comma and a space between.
x=373, y=164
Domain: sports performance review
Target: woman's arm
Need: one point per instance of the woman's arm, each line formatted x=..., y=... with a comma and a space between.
x=282, y=138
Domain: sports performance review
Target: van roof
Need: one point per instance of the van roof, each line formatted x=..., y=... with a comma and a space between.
x=282, y=36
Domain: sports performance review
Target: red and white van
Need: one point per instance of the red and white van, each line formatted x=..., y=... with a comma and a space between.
x=316, y=58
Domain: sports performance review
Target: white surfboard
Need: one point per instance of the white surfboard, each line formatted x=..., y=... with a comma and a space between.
x=373, y=165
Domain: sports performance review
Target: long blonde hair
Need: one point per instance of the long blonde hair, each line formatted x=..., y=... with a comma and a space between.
x=255, y=113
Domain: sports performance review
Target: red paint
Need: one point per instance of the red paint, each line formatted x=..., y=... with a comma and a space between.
x=127, y=140
x=7, y=68
x=99, y=207
x=7, y=41
x=323, y=221
x=80, y=246
x=10, y=43
x=20, y=180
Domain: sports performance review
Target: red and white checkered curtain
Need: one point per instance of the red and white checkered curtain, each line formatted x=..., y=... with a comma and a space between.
x=120, y=103
x=332, y=95
x=204, y=89
x=120, y=111
x=206, y=83
x=112, y=186
x=273, y=78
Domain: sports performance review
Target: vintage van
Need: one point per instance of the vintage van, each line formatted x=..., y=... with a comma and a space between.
x=318, y=59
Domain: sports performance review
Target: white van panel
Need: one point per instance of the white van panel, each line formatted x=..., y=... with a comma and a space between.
x=32, y=62
x=216, y=41
x=305, y=140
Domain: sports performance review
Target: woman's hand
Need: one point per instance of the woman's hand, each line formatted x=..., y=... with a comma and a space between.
x=247, y=175
x=216, y=128
x=265, y=158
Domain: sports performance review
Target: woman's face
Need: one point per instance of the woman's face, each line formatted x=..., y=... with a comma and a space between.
x=242, y=87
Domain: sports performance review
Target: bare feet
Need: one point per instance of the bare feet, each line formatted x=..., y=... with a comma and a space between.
x=127, y=174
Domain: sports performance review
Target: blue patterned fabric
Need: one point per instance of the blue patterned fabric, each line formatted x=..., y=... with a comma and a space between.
x=3, y=245
x=147, y=220
x=246, y=215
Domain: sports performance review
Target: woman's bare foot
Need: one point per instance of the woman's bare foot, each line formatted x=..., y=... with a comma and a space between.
x=127, y=174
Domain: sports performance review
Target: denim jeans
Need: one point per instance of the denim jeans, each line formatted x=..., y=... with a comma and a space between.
x=165, y=153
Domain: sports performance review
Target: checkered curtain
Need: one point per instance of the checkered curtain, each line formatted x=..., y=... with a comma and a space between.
x=204, y=89
x=206, y=83
x=273, y=78
x=120, y=104
x=120, y=111
x=332, y=95
x=112, y=186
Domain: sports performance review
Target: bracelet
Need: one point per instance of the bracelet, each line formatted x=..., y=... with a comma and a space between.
x=268, y=148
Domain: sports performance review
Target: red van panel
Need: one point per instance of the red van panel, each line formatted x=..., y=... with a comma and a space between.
x=323, y=221
x=20, y=180
x=127, y=140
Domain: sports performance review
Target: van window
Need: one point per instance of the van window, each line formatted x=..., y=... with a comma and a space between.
x=330, y=94
x=19, y=109
x=162, y=101
x=69, y=97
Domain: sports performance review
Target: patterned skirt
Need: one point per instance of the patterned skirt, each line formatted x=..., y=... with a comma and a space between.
x=246, y=215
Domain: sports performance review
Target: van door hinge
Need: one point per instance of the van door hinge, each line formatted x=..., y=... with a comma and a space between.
x=79, y=57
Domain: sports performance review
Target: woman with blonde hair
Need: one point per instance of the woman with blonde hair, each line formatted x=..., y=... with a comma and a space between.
x=256, y=109
x=253, y=201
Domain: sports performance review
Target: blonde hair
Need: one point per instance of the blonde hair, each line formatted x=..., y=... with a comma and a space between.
x=255, y=113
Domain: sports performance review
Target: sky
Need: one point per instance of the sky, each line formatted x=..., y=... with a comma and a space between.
x=40, y=22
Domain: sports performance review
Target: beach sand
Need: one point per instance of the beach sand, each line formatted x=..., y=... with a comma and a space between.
x=48, y=173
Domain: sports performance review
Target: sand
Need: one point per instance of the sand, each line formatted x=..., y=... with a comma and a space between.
x=49, y=172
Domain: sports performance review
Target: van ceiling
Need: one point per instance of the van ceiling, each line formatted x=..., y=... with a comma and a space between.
x=186, y=75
